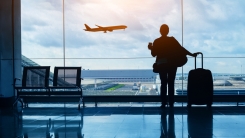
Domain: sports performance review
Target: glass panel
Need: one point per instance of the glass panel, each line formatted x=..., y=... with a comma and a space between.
x=41, y=32
x=228, y=75
x=124, y=49
x=216, y=28
x=204, y=30
x=117, y=81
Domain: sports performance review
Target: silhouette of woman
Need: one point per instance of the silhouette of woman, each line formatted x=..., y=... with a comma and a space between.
x=167, y=51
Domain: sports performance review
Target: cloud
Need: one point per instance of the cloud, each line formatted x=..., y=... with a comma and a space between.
x=221, y=64
x=42, y=23
x=215, y=28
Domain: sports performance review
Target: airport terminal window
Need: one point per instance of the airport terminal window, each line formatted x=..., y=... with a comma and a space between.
x=215, y=28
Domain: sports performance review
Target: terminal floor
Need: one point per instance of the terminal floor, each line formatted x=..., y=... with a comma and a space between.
x=122, y=121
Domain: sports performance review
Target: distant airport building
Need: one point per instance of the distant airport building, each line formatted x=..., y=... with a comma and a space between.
x=127, y=75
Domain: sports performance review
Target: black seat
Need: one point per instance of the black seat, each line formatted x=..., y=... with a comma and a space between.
x=66, y=78
x=35, y=81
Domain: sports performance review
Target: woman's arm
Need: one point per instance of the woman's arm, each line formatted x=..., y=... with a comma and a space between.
x=191, y=54
x=153, y=49
x=185, y=51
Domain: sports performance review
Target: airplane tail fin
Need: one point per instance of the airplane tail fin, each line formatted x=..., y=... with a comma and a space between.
x=87, y=27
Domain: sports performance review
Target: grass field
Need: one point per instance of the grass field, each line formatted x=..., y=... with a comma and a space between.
x=115, y=87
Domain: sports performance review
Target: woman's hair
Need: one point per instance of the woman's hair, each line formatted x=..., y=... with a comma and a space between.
x=164, y=30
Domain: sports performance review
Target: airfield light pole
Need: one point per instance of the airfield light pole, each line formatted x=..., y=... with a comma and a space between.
x=241, y=70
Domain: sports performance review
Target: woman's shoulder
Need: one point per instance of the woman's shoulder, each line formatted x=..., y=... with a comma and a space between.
x=166, y=39
x=158, y=39
x=172, y=40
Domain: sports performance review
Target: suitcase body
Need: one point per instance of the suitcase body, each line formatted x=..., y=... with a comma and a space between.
x=200, y=86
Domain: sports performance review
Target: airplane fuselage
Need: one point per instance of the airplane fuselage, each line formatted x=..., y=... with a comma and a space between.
x=105, y=29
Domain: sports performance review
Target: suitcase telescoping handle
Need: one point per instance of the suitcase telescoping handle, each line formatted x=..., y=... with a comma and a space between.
x=201, y=59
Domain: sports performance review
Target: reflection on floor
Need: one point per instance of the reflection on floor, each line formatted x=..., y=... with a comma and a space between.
x=122, y=121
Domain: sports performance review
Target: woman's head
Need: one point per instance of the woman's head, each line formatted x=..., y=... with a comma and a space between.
x=164, y=30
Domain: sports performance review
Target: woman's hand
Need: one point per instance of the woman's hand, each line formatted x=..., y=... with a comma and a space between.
x=195, y=54
x=150, y=46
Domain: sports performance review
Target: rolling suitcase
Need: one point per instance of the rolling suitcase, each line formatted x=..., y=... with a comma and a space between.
x=200, y=86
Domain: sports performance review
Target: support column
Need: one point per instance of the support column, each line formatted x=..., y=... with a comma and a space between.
x=10, y=45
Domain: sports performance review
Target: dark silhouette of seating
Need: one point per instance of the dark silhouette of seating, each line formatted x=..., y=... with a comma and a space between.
x=35, y=85
x=35, y=81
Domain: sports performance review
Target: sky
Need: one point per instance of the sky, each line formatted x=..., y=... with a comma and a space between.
x=214, y=27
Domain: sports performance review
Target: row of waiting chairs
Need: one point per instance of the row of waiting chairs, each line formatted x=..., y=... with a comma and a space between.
x=36, y=84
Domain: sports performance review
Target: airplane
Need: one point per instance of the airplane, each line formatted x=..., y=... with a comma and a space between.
x=108, y=28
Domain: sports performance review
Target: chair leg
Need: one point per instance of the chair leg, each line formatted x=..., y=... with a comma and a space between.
x=80, y=101
x=16, y=101
x=22, y=102
x=26, y=104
